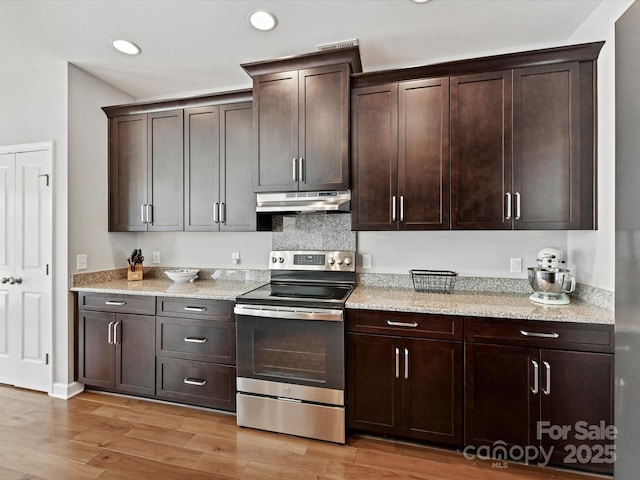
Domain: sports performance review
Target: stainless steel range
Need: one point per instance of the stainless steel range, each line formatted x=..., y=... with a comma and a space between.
x=291, y=346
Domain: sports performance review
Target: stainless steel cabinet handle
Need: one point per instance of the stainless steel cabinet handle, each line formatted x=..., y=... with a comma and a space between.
x=541, y=335
x=508, y=217
x=517, y=205
x=195, y=309
x=393, y=208
x=301, y=176
x=195, y=339
x=114, y=303
x=115, y=333
x=535, y=377
x=216, y=213
x=149, y=213
x=391, y=323
x=295, y=170
x=110, y=333
x=142, y=210
x=406, y=363
x=195, y=381
x=397, y=363
x=547, y=391
x=402, y=208
x=223, y=212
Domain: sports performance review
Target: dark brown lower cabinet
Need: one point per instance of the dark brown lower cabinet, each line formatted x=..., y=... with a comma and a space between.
x=405, y=387
x=557, y=405
x=117, y=351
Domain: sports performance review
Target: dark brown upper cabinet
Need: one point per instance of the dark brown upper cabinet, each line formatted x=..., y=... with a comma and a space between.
x=522, y=143
x=145, y=172
x=182, y=164
x=218, y=158
x=301, y=121
x=400, y=156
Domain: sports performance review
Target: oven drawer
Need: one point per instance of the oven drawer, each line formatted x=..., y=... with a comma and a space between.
x=196, y=339
x=106, y=302
x=540, y=334
x=196, y=383
x=194, y=307
x=404, y=324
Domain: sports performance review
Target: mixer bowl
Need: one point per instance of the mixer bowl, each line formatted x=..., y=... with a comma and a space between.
x=551, y=280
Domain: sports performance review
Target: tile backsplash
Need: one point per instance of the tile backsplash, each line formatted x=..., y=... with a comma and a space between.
x=314, y=231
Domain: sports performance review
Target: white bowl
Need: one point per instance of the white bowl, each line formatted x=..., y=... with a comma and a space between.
x=182, y=275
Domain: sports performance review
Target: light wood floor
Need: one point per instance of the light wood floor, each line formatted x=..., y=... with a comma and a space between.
x=98, y=436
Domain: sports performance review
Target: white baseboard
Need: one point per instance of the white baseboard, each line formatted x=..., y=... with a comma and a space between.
x=66, y=391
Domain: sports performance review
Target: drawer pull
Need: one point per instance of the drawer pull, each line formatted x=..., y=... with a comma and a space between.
x=402, y=324
x=114, y=303
x=195, y=340
x=541, y=335
x=195, y=309
x=194, y=381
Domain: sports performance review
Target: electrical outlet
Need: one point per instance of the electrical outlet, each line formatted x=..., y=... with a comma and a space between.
x=81, y=261
x=516, y=265
x=235, y=258
x=366, y=260
x=156, y=257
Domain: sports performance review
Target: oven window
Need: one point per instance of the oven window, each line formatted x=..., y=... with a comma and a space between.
x=305, y=352
x=299, y=356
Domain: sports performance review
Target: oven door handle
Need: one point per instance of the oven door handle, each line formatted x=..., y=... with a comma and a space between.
x=293, y=313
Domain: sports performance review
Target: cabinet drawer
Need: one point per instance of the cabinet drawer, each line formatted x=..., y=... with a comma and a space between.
x=194, y=307
x=196, y=339
x=540, y=334
x=106, y=302
x=196, y=383
x=405, y=324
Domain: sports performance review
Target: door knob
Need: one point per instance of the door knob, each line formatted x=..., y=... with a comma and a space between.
x=5, y=279
x=13, y=280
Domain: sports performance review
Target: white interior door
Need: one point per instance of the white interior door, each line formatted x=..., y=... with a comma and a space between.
x=26, y=238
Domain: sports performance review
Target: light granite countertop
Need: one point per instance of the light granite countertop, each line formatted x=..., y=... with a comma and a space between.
x=476, y=304
x=207, y=289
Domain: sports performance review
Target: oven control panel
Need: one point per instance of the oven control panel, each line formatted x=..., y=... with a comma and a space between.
x=335, y=260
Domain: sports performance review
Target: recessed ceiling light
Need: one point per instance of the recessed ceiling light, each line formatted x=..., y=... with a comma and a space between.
x=262, y=20
x=125, y=46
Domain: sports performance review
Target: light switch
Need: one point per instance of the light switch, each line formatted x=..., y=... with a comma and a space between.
x=81, y=261
x=156, y=257
x=235, y=258
x=516, y=265
x=366, y=260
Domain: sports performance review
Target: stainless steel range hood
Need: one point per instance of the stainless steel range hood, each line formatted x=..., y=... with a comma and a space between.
x=304, y=202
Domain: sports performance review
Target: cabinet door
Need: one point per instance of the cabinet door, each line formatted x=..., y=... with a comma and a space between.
x=202, y=168
x=374, y=157
x=432, y=390
x=577, y=392
x=423, y=154
x=135, y=354
x=127, y=173
x=501, y=398
x=96, y=361
x=481, y=151
x=547, y=171
x=166, y=168
x=323, y=135
x=374, y=388
x=275, y=123
x=238, y=212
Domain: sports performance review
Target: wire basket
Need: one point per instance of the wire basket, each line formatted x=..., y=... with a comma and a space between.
x=433, y=281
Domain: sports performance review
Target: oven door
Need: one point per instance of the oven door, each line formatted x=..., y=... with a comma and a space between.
x=299, y=347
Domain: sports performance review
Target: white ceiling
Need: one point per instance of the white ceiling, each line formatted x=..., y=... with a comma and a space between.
x=197, y=46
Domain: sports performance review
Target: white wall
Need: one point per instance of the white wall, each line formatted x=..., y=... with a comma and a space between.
x=88, y=196
x=594, y=252
x=34, y=109
x=206, y=249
